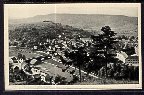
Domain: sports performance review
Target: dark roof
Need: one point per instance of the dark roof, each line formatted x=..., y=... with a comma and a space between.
x=132, y=57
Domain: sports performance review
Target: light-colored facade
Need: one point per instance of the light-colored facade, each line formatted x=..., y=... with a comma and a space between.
x=132, y=61
x=122, y=56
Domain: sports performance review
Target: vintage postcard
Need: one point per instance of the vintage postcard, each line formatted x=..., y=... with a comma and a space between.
x=72, y=46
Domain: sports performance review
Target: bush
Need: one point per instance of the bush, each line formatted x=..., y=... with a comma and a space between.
x=60, y=80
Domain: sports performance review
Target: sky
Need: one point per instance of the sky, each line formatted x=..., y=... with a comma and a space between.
x=18, y=11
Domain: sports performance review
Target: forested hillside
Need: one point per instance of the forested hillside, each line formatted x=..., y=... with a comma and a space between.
x=42, y=31
x=121, y=24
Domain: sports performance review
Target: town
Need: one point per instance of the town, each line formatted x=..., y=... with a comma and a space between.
x=65, y=58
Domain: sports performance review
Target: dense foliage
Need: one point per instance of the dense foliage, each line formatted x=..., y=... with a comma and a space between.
x=93, y=56
x=40, y=32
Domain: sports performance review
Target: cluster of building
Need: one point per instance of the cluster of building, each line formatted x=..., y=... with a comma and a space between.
x=61, y=44
x=34, y=69
x=131, y=60
x=58, y=46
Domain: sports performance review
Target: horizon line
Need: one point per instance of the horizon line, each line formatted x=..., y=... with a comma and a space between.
x=13, y=18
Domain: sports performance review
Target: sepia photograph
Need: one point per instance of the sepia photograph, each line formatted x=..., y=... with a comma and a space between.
x=72, y=46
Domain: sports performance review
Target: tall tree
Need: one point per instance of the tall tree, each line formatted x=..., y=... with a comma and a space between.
x=104, y=47
x=78, y=56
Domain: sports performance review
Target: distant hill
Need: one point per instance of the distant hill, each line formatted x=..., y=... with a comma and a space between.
x=119, y=23
x=41, y=31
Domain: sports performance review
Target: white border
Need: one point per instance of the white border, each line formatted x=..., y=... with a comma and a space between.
x=71, y=87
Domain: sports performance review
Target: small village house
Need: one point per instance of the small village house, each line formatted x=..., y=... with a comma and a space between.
x=122, y=56
x=86, y=39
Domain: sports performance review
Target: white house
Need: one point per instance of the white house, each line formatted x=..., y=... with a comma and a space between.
x=122, y=56
x=15, y=62
x=35, y=71
x=10, y=60
x=85, y=39
x=43, y=75
x=136, y=50
x=21, y=60
x=35, y=47
x=33, y=61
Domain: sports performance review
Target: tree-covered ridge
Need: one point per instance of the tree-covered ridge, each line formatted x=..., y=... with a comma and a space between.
x=42, y=31
x=122, y=25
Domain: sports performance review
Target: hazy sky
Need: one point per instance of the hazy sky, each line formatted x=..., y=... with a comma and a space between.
x=16, y=11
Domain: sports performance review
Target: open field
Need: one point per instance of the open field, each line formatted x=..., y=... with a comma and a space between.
x=13, y=51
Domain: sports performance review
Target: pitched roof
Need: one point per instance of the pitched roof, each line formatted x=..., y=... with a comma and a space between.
x=124, y=54
x=86, y=39
x=132, y=57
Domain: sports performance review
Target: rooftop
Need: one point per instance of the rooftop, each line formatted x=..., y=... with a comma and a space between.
x=132, y=57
